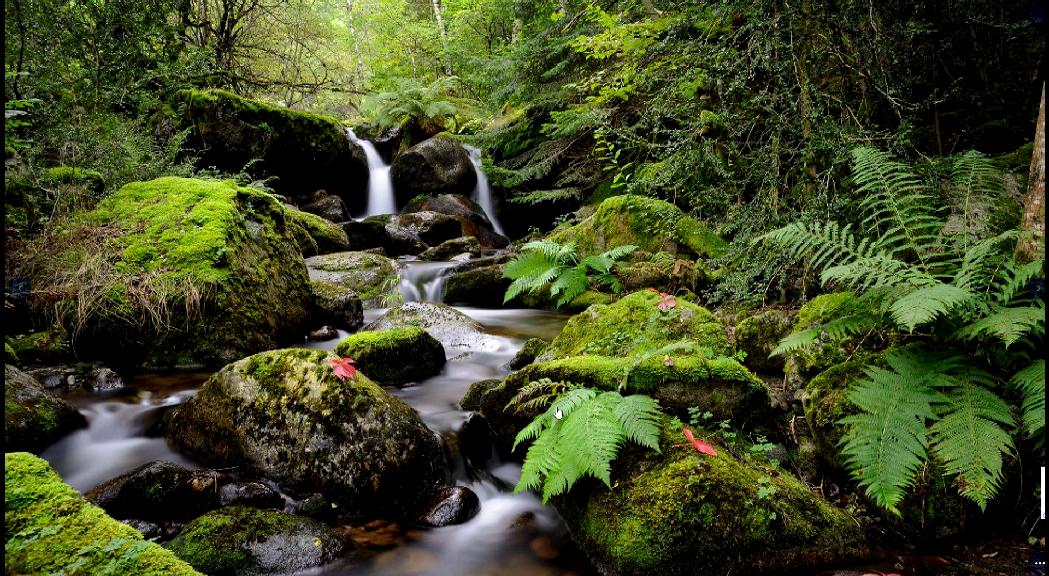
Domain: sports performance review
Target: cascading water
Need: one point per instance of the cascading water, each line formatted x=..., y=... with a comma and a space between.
x=482, y=193
x=423, y=281
x=380, y=185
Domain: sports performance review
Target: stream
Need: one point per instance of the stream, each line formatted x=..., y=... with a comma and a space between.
x=512, y=533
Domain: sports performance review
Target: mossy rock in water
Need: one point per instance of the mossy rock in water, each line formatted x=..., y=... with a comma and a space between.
x=305, y=152
x=335, y=305
x=179, y=270
x=327, y=236
x=394, y=357
x=157, y=491
x=371, y=276
x=682, y=512
x=284, y=415
x=649, y=224
x=46, y=347
x=634, y=326
x=758, y=335
x=459, y=333
x=483, y=286
x=50, y=529
x=476, y=392
x=242, y=541
x=33, y=418
x=529, y=351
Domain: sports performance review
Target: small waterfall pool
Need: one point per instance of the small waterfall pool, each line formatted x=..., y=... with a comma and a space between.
x=380, y=185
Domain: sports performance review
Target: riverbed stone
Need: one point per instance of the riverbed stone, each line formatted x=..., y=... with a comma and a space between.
x=459, y=333
x=439, y=165
x=450, y=505
x=394, y=357
x=682, y=512
x=33, y=417
x=327, y=206
x=433, y=228
x=335, y=304
x=372, y=277
x=83, y=376
x=483, y=287
x=529, y=351
x=472, y=218
x=449, y=249
x=157, y=491
x=285, y=416
x=51, y=529
x=243, y=541
x=247, y=493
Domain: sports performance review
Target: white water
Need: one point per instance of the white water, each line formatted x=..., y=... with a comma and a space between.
x=380, y=185
x=423, y=281
x=482, y=193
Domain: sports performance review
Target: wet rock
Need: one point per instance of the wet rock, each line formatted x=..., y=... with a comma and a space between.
x=433, y=228
x=456, y=331
x=472, y=219
x=483, y=287
x=89, y=377
x=402, y=241
x=155, y=530
x=388, y=141
x=366, y=234
x=157, y=491
x=451, y=505
x=439, y=165
x=472, y=399
x=532, y=348
x=254, y=494
x=757, y=335
x=285, y=416
x=328, y=206
x=803, y=364
x=475, y=441
x=335, y=304
x=64, y=534
x=544, y=549
x=371, y=277
x=318, y=507
x=394, y=357
x=467, y=246
x=33, y=418
x=246, y=541
x=323, y=236
x=45, y=347
x=324, y=332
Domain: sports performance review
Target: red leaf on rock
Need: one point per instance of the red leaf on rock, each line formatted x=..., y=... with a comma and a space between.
x=700, y=445
x=343, y=367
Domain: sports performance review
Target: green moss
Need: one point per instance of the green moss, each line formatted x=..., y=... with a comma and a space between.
x=10, y=357
x=650, y=224
x=472, y=399
x=328, y=236
x=634, y=325
x=210, y=98
x=823, y=308
x=90, y=179
x=685, y=513
x=47, y=347
x=396, y=356
x=51, y=529
x=759, y=334
x=371, y=276
x=34, y=418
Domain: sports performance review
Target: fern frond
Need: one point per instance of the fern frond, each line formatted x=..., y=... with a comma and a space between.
x=640, y=417
x=596, y=437
x=924, y=304
x=970, y=440
x=619, y=252
x=571, y=283
x=976, y=182
x=886, y=442
x=1017, y=277
x=543, y=458
x=837, y=329
x=1008, y=324
x=981, y=260
x=1031, y=383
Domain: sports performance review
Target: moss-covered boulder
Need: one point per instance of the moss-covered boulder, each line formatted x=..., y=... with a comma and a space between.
x=43, y=347
x=826, y=402
x=33, y=418
x=683, y=512
x=285, y=416
x=90, y=180
x=802, y=364
x=243, y=541
x=483, y=286
x=334, y=305
x=394, y=357
x=157, y=491
x=327, y=236
x=476, y=392
x=177, y=271
x=305, y=152
x=459, y=333
x=529, y=351
x=439, y=165
x=373, y=278
x=758, y=335
x=650, y=224
x=50, y=529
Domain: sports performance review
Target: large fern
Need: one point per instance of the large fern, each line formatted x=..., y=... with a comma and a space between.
x=580, y=434
x=952, y=288
x=548, y=265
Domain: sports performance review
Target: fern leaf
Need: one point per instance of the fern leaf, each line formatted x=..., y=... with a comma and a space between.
x=926, y=303
x=1017, y=278
x=542, y=459
x=619, y=252
x=886, y=442
x=1008, y=324
x=970, y=440
x=569, y=284
x=1031, y=383
x=640, y=417
x=596, y=436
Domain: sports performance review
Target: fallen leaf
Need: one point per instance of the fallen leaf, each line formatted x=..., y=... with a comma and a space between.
x=699, y=445
x=343, y=367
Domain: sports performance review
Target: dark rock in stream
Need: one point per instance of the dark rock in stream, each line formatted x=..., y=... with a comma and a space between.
x=324, y=333
x=254, y=494
x=532, y=348
x=242, y=541
x=475, y=440
x=33, y=417
x=383, y=355
x=327, y=206
x=154, y=530
x=471, y=217
x=402, y=241
x=439, y=165
x=451, y=505
x=456, y=247
x=158, y=491
x=482, y=286
x=432, y=228
x=92, y=378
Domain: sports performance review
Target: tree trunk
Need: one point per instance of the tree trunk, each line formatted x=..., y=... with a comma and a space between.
x=444, y=36
x=1033, y=224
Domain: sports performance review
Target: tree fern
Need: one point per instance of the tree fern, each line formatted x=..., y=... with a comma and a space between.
x=548, y=265
x=585, y=439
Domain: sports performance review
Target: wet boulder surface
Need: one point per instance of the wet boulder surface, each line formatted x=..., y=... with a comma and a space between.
x=439, y=165
x=395, y=357
x=33, y=417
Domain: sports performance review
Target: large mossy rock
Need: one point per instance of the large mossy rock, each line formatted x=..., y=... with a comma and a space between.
x=322, y=236
x=650, y=224
x=439, y=165
x=431, y=227
x=33, y=418
x=242, y=541
x=683, y=512
x=50, y=529
x=802, y=364
x=179, y=271
x=285, y=416
x=305, y=152
x=459, y=333
x=394, y=357
x=371, y=277
x=758, y=335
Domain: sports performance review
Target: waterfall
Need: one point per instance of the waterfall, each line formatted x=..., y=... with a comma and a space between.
x=380, y=185
x=482, y=193
x=423, y=281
